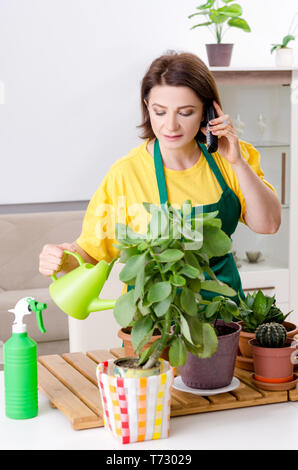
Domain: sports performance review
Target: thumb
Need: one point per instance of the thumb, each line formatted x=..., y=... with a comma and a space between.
x=67, y=246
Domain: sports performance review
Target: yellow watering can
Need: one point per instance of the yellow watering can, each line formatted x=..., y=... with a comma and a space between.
x=76, y=293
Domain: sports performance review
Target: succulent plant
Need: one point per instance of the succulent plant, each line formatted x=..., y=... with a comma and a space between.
x=271, y=335
x=258, y=308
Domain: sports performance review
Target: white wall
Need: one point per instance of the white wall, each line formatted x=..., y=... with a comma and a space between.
x=72, y=71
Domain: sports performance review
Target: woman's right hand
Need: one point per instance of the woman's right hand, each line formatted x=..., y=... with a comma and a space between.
x=52, y=257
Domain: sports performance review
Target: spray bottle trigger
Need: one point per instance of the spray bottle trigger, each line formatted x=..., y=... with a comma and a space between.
x=38, y=307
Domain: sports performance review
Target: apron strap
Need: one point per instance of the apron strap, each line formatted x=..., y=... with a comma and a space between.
x=214, y=167
x=160, y=174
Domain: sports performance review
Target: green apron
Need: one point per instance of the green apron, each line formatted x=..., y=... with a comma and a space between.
x=229, y=209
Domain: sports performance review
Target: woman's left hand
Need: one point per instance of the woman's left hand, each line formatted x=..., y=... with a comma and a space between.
x=228, y=143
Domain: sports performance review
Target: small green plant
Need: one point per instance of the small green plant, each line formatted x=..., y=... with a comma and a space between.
x=258, y=308
x=166, y=266
x=216, y=17
x=271, y=335
x=289, y=37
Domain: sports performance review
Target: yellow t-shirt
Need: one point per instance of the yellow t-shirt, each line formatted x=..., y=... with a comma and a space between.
x=131, y=181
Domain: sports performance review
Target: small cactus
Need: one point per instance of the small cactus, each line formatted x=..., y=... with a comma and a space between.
x=271, y=335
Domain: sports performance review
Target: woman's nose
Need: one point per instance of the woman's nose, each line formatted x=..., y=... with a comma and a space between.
x=171, y=122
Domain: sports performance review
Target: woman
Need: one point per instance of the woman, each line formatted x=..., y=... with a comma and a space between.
x=173, y=164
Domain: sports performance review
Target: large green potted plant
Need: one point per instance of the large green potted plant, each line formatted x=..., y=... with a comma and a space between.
x=256, y=309
x=216, y=17
x=166, y=267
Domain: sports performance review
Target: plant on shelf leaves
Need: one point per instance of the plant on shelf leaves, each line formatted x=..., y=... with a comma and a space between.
x=229, y=13
x=166, y=267
x=258, y=308
x=289, y=37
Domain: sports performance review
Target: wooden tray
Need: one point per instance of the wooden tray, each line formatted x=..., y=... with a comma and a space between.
x=70, y=383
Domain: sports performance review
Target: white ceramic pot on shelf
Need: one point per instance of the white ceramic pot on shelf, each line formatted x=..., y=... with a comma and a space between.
x=284, y=57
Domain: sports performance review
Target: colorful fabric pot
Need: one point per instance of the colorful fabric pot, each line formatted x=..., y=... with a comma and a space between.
x=136, y=409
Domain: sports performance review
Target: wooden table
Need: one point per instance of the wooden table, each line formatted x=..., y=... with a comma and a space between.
x=70, y=383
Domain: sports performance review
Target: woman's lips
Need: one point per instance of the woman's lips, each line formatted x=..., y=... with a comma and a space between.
x=174, y=137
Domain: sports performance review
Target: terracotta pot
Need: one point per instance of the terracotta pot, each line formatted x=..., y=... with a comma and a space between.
x=216, y=371
x=245, y=337
x=273, y=365
x=124, y=334
x=219, y=55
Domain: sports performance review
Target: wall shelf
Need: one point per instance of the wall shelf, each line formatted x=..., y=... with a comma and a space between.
x=273, y=91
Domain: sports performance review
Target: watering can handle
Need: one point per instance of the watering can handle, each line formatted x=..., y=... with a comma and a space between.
x=76, y=255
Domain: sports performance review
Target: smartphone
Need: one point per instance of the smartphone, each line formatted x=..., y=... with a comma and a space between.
x=211, y=140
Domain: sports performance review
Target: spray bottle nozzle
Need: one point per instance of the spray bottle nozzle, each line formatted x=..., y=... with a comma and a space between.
x=37, y=307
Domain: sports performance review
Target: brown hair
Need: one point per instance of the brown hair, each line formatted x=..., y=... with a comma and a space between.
x=178, y=69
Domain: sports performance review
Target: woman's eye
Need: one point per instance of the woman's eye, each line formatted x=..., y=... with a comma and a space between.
x=181, y=114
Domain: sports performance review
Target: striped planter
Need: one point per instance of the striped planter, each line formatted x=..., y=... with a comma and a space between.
x=136, y=409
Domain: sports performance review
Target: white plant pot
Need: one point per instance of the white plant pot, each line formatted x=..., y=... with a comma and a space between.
x=284, y=57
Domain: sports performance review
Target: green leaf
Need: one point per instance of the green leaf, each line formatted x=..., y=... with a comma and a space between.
x=162, y=307
x=190, y=271
x=125, y=309
x=169, y=256
x=177, y=353
x=239, y=23
x=140, y=282
x=186, y=209
x=132, y=267
x=188, y=301
x=127, y=253
x=194, y=285
x=192, y=260
x=198, y=13
x=202, y=24
x=212, y=309
x=259, y=306
x=177, y=280
x=148, y=351
x=185, y=329
x=230, y=306
x=217, y=17
x=226, y=315
x=142, y=308
x=216, y=242
x=158, y=226
x=203, y=334
x=209, y=271
x=159, y=291
x=206, y=5
x=234, y=10
x=287, y=39
x=219, y=287
x=140, y=331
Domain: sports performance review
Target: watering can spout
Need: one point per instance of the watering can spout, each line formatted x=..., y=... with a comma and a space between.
x=76, y=293
x=98, y=305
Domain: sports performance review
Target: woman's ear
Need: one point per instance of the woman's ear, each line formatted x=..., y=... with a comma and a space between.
x=203, y=125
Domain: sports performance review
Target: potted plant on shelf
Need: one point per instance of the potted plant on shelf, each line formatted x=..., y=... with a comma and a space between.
x=219, y=54
x=273, y=355
x=283, y=53
x=254, y=310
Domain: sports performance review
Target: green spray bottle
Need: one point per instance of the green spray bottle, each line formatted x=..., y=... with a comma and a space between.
x=20, y=363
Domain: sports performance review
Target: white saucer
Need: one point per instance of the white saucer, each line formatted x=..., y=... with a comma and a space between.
x=179, y=385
